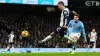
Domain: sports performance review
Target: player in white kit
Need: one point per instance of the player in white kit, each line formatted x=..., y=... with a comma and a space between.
x=11, y=42
x=93, y=37
x=64, y=20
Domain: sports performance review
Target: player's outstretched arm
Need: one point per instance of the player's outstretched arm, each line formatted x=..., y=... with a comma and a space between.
x=83, y=31
x=73, y=12
x=96, y=36
x=66, y=17
x=89, y=35
x=69, y=24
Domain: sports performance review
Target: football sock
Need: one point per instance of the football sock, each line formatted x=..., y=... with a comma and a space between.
x=47, y=38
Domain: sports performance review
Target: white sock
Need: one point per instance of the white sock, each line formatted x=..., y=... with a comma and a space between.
x=88, y=47
x=12, y=49
x=94, y=47
x=7, y=48
x=73, y=51
x=47, y=38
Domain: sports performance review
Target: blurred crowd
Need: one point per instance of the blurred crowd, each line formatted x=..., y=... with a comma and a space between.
x=39, y=27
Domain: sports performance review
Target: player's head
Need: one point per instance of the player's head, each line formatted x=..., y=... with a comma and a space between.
x=61, y=5
x=76, y=17
x=12, y=32
x=93, y=30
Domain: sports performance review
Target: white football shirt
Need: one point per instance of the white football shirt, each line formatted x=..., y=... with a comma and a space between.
x=93, y=36
x=11, y=38
x=63, y=21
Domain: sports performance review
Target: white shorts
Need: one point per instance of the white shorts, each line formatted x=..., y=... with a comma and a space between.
x=74, y=35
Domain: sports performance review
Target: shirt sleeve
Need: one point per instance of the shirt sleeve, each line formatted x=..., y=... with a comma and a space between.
x=66, y=17
x=9, y=35
x=65, y=13
x=69, y=24
x=96, y=35
x=83, y=30
x=64, y=20
x=61, y=21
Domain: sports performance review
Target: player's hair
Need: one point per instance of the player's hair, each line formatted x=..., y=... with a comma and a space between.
x=77, y=15
x=61, y=2
x=93, y=28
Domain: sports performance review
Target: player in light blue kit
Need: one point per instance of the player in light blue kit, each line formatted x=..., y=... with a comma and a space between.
x=77, y=27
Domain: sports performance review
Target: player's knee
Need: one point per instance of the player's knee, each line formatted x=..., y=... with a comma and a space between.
x=94, y=45
x=52, y=33
x=88, y=45
x=69, y=42
x=9, y=46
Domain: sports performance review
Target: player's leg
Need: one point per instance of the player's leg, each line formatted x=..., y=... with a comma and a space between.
x=48, y=37
x=68, y=36
x=94, y=46
x=69, y=44
x=69, y=30
x=74, y=39
x=12, y=47
x=53, y=33
x=8, y=47
x=88, y=46
x=73, y=46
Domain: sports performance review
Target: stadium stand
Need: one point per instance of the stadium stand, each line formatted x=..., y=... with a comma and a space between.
x=39, y=27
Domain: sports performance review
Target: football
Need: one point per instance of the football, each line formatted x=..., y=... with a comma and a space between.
x=25, y=34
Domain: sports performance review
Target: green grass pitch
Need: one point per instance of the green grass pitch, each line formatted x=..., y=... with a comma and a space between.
x=53, y=54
